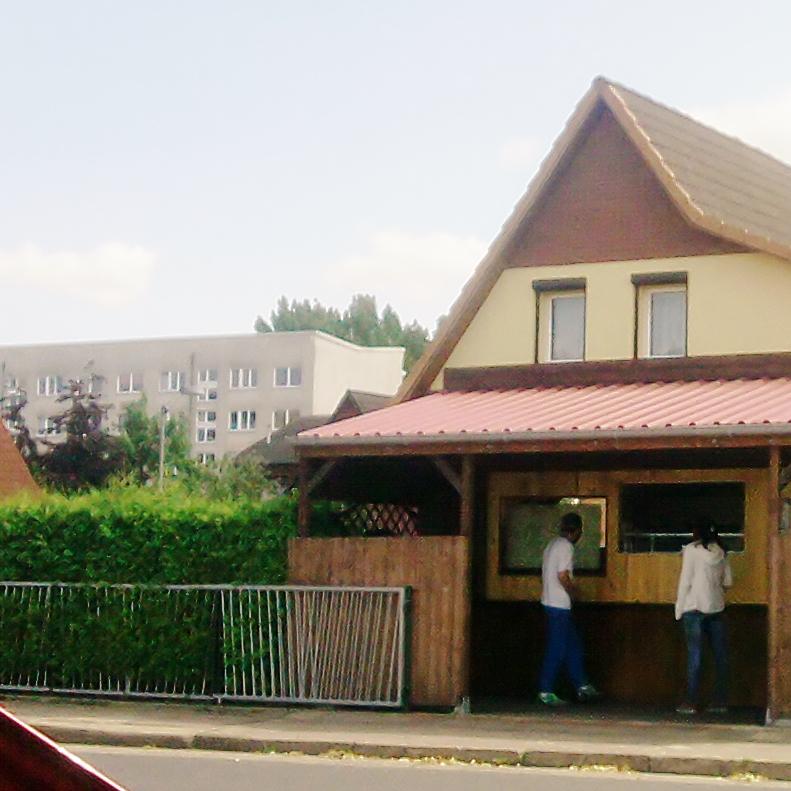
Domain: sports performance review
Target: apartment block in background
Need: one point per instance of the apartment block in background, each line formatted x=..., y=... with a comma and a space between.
x=234, y=390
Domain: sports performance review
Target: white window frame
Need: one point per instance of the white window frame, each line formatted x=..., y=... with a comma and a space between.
x=246, y=378
x=245, y=420
x=546, y=307
x=645, y=319
x=48, y=428
x=202, y=417
x=130, y=379
x=205, y=376
x=205, y=458
x=53, y=385
x=202, y=434
x=289, y=369
x=288, y=414
x=179, y=378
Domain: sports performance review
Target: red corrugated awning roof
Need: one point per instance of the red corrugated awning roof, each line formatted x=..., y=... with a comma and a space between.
x=555, y=412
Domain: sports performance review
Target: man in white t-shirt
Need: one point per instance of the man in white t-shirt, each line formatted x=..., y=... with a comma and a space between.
x=564, y=646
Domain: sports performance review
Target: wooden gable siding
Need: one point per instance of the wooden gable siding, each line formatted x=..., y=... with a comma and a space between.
x=14, y=473
x=607, y=205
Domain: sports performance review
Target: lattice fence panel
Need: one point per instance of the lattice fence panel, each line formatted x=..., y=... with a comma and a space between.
x=386, y=519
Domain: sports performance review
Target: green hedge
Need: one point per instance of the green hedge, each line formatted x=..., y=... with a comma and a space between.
x=142, y=536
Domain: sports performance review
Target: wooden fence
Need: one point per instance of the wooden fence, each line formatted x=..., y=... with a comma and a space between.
x=435, y=568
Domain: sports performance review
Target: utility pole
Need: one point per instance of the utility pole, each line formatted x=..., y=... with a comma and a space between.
x=163, y=417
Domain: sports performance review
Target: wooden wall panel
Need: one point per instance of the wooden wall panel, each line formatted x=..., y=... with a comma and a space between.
x=607, y=205
x=635, y=653
x=435, y=568
x=642, y=578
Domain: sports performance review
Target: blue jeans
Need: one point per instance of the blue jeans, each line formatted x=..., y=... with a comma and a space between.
x=564, y=647
x=696, y=625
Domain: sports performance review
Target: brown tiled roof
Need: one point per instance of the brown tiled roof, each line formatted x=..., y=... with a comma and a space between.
x=14, y=473
x=730, y=187
x=718, y=183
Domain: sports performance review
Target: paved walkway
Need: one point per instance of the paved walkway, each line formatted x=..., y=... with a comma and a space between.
x=537, y=739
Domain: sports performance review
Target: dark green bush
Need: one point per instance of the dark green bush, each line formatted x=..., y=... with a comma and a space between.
x=135, y=535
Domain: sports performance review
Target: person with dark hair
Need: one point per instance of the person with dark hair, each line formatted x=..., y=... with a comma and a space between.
x=700, y=603
x=564, y=647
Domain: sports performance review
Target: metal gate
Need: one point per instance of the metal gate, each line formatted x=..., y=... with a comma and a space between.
x=281, y=644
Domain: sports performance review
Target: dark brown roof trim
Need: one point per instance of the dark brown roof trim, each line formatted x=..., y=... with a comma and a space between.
x=660, y=279
x=560, y=284
x=679, y=369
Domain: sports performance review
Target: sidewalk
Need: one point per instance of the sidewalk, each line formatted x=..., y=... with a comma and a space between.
x=541, y=739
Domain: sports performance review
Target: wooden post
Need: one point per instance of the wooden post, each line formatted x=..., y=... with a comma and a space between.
x=467, y=493
x=466, y=524
x=775, y=619
x=303, y=509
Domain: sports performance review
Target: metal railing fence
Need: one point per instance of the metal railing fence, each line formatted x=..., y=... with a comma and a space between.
x=283, y=644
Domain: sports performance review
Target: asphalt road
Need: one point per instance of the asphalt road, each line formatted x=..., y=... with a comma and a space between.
x=174, y=770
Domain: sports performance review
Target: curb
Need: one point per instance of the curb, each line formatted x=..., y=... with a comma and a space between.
x=545, y=759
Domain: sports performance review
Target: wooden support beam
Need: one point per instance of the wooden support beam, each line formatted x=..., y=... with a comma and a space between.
x=466, y=525
x=467, y=493
x=303, y=507
x=776, y=620
x=321, y=474
x=450, y=475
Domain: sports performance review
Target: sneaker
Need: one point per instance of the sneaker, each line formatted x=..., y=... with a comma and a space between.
x=587, y=693
x=686, y=708
x=551, y=699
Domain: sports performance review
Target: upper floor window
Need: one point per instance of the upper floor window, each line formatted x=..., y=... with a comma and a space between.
x=206, y=458
x=47, y=425
x=171, y=381
x=241, y=420
x=207, y=376
x=130, y=383
x=282, y=417
x=242, y=378
x=288, y=377
x=560, y=306
x=661, y=314
x=206, y=416
x=49, y=385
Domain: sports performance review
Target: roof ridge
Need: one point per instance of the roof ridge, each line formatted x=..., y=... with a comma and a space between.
x=603, y=83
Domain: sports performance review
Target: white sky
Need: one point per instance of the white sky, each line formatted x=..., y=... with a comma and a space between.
x=174, y=167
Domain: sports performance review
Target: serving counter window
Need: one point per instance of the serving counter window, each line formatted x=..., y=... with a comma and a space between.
x=527, y=524
x=659, y=517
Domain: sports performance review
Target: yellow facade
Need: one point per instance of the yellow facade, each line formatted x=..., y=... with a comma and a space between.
x=737, y=304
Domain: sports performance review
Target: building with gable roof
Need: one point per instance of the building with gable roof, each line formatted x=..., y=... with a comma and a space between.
x=623, y=351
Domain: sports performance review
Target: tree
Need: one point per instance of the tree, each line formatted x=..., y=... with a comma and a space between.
x=360, y=323
x=140, y=439
x=88, y=456
x=12, y=406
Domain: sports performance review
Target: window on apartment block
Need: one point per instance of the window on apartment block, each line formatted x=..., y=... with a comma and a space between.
x=282, y=417
x=244, y=378
x=49, y=385
x=47, y=426
x=206, y=416
x=205, y=434
x=130, y=383
x=660, y=517
x=171, y=381
x=241, y=420
x=206, y=458
x=561, y=320
x=207, y=376
x=288, y=376
x=661, y=314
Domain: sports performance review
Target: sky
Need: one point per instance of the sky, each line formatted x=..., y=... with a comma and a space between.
x=173, y=168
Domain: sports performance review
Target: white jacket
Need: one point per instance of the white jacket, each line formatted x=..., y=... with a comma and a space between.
x=705, y=574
